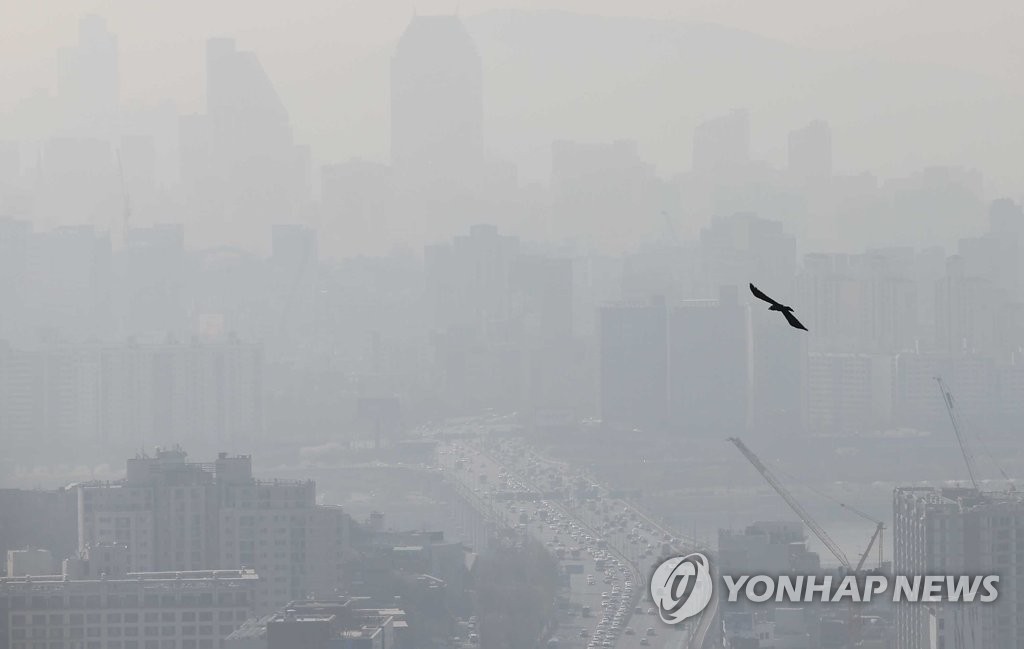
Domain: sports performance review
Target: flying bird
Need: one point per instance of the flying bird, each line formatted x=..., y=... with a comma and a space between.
x=775, y=306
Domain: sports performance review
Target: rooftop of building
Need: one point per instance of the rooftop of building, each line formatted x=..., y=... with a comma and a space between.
x=346, y=621
x=182, y=579
x=252, y=628
x=437, y=37
x=169, y=466
x=965, y=498
x=290, y=617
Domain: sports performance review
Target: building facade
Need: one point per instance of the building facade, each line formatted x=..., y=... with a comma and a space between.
x=179, y=610
x=959, y=531
x=177, y=515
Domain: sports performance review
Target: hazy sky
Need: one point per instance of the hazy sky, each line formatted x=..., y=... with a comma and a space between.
x=306, y=45
x=984, y=37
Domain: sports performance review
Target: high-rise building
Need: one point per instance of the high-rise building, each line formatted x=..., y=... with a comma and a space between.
x=1006, y=216
x=744, y=247
x=436, y=102
x=132, y=394
x=436, y=127
x=293, y=247
x=959, y=531
x=78, y=184
x=709, y=366
x=779, y=378
x=175, y=515
x=606, y=195
x=849, y=392
x=502, y=321
x=541, y=295
x=355, y=199
x=88, y=80
x=928, y=208
x=68, y=272
x=634, y=364
x=151, y=269
x=866, y=303
x=10, y=168
x=243, y=164
x=965, y=311
x=722, y=144
x=810, y=152
x=972, y=379
x=33, y=518
x=468, y=281
x=15, y=237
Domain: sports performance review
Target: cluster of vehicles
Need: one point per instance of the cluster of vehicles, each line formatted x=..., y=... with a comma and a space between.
x=616, y=607
x=578, y=521
x=642, y=539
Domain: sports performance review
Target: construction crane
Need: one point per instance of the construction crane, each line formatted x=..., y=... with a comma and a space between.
x=801, y=513
x=954, y=418
x=877, y=536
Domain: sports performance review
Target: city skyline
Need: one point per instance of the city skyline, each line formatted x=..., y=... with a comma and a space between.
x=461, y=309
x=769, y=132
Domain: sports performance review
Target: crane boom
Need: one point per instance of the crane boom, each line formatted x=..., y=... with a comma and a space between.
x=801, y=513
x=877, y=535
x=947, y=400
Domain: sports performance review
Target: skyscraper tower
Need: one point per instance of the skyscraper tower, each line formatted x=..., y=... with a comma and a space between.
x=810, y=152
x=239, y=159
x=88, y=80
x=722, y=144
x=436, y=102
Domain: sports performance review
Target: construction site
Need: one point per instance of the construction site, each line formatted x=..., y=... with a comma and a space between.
x=964, y=529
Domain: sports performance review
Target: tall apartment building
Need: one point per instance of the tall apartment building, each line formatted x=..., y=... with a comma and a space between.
x=865, y=303
x=959, y=531
x=39, y=519
x=634, y=364
x=177, y=515
x=93, y=605
x=132, y=394
x=736, y=248
x=722, y=144
x=972, y=379
x=810, y=152
x=709, y=383
x=779, y=375
x=688, y=365
x=849, y=392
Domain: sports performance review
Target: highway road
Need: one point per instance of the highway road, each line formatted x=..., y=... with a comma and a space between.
x=611, y=544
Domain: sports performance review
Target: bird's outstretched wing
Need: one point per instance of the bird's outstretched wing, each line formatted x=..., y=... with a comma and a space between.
x=791, y=319
x=761, y=296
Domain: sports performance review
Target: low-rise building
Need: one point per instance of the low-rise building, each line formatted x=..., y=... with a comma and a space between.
x=323, y=625
x=87, y=607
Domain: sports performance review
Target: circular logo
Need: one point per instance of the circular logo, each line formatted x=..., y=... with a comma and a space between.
x=681, y=587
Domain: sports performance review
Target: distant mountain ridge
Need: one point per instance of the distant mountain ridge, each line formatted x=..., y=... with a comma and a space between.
x=554, y=75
